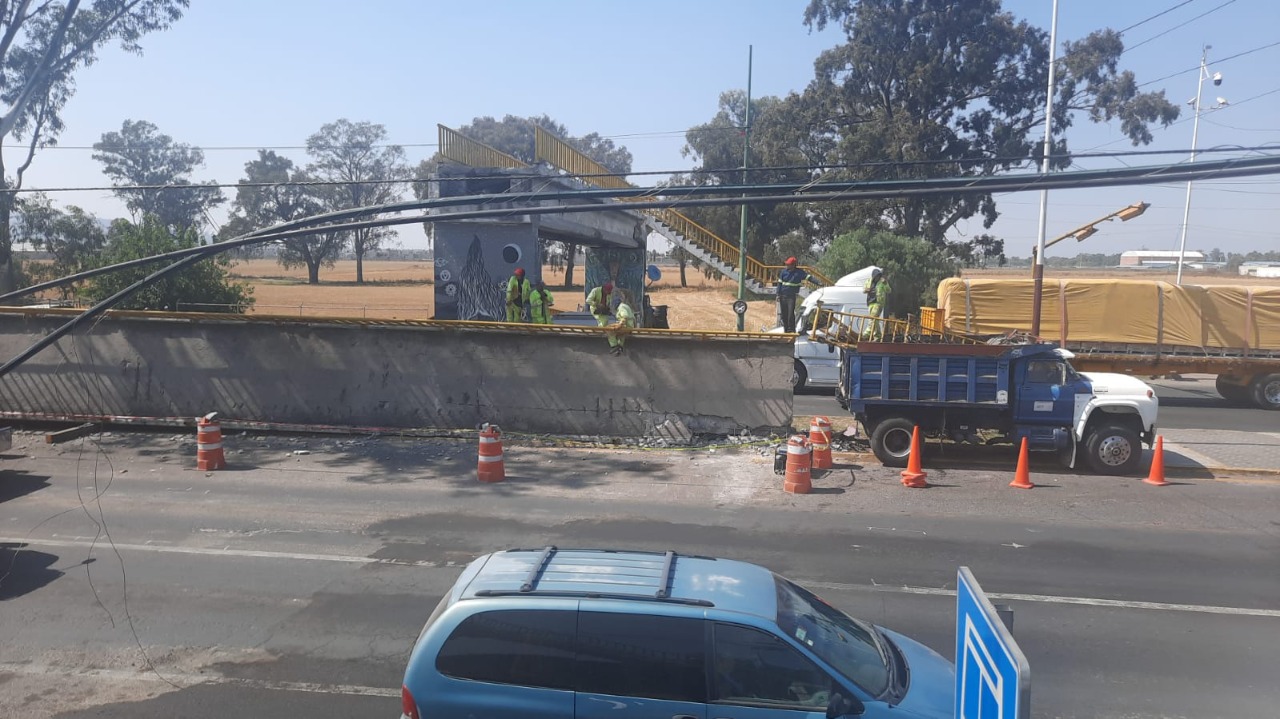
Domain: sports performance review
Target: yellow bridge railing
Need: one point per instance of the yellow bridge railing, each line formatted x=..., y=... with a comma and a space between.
x=462, y=149
x=557, y=152
x=845, y=329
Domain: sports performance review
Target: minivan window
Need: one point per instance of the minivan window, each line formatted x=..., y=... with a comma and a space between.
x=636, y=655
x=848, y=645
x=755, y=668
x=532, y=648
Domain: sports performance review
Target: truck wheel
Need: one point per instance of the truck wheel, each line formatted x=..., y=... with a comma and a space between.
x=1231, y=391
x=1113, y=449
x=891, y=441
x=1266, y=391
x=799, y=376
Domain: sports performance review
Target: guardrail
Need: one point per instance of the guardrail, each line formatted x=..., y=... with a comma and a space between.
x=460, y=148
x=847, y=330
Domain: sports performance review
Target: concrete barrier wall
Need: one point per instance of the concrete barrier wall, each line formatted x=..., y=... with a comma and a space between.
x=437, y=374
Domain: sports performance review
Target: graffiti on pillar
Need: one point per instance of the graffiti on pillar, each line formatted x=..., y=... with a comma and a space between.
x=624, y=268
x=479, y=294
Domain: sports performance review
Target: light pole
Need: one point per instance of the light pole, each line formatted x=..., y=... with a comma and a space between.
x=1195, y=135
x=1037, y=262
x=1090, y=229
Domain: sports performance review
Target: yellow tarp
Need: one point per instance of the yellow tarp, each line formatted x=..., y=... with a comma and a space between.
x=1118, y=311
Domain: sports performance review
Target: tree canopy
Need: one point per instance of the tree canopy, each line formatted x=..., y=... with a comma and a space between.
x=42, y=46
x=913, y=266
x=139, y=155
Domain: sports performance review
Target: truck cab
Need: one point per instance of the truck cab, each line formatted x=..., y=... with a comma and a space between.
x=817, y=364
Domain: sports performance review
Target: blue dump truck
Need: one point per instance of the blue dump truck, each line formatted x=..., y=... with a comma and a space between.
x=997, y=393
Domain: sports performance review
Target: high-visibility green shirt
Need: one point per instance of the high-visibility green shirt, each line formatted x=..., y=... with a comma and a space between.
x=540, y=301
x=598, y=301
x=625, y=314
x=518, y=290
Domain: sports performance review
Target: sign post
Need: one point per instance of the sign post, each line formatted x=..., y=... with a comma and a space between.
x=993, y=679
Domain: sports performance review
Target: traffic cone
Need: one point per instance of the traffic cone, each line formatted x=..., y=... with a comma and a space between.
x=820, y=440
x=490, y=467
x=1022, y=477
x=913, y=476
x=799, y=462
x=1155, y=477
x=209, y=455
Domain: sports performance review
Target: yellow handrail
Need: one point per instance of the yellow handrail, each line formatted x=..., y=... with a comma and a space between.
x=557, y=152
x=460, y=148
x=845, y=329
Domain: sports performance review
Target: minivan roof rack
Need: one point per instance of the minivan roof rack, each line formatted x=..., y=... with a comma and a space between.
x=548, y=553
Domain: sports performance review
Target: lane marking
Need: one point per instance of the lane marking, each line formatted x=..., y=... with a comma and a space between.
x=927, y=591
x=188, y=680
x=216, y=552
x=1053, y=599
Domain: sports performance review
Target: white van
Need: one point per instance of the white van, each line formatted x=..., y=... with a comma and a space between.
x=818, y=364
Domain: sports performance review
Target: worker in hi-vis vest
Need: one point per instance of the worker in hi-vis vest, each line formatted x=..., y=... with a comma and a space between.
x=540, y=304
x=789, y=282
x=877, y=289
x=618, y=330
x=599, y=303
x=518, y=291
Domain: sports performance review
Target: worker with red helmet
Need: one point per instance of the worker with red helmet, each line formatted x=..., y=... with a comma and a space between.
x=789, y=282
x=600, y=302
x=519, y=291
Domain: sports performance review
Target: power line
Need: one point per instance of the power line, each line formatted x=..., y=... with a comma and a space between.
x=1216, y=62
x=1175, y=27
x=1153, y=17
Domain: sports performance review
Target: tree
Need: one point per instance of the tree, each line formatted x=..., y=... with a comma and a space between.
x=937, y=88
x=516, y=137
x=205, y=286
x=272, y=192
x=353, y=155
x=914, y=267
x=140, y=155
x=42, y=45
x=72, y=238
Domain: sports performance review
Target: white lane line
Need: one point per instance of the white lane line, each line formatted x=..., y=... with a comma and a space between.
x=296, y=556
x=103, y=545
x=1052, y=599
x=188, y=680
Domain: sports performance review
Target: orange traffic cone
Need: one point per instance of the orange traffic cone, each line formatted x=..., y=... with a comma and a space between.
x=913, y=476
x=490, y=467
x=820, y=440
x=1155, y=478
x=799, y=461
x=209, y=455
x=1022, y=477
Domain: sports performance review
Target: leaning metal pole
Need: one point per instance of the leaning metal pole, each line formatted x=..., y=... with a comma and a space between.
x=1038, y=271
x=742, y=221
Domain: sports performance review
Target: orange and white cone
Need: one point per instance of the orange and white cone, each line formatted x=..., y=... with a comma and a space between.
x=490, y=467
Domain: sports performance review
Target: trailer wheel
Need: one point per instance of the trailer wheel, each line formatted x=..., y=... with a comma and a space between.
x=1266, y=391
x=799, y=376
x=1232, y=391
x=891, y=441
x=1114, y=449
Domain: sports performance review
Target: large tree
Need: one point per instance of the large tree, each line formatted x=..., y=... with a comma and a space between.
x=274, y=191
x=72, y=238
x=938, y=88
x=913, y=266
x=361, y=171
x=515, y=136
x=140, y=156
x=204, y=287
x=42, y=45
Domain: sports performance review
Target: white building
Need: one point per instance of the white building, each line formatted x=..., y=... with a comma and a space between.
x=1260, y=269
x=1157, y=258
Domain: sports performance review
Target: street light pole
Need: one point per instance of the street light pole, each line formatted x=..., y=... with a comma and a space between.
x=742, y=220
x=1195, y=134
x=1038, y=269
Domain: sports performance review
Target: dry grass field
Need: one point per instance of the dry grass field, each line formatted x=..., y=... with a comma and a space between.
x=404, y=290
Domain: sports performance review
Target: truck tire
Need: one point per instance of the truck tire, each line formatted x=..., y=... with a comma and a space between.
x=1114, y=449
x=891, y=441
x=1232, y=391
x=1266, y=391
x=799, y=376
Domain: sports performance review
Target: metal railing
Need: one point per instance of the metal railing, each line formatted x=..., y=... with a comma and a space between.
x=847, y=330
x=462, y=149
x=551, y=149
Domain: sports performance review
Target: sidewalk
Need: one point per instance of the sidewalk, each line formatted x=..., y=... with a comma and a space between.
x=1222, y=450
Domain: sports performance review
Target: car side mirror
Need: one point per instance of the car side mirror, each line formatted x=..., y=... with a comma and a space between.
x=841, y=706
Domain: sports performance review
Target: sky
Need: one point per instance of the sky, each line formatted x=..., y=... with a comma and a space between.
x=236, y=75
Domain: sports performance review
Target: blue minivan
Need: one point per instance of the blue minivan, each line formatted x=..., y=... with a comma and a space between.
x=596, y=634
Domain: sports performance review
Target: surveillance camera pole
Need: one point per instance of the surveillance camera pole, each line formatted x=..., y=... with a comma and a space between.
x=1038, y=269
x=1195, y=134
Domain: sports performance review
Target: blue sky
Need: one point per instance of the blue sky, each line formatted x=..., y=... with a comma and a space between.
x=243, y=74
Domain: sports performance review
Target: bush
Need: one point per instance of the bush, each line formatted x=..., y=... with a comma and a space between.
x=913, y=265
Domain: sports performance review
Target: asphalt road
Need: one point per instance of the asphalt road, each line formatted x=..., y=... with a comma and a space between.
x=294, y=585
x=1189, y=403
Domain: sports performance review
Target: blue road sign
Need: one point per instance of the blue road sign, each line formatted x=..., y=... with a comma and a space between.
x=993, y=679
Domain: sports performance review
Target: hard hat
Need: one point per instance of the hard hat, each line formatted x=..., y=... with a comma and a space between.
x=519, y=272
x=791, y=261
x=608, y=287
